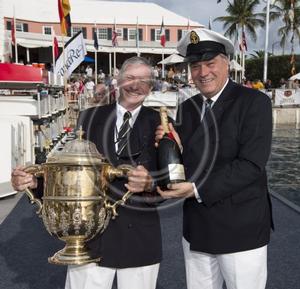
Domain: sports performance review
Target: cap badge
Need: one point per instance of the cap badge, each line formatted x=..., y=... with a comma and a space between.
x=194, y=37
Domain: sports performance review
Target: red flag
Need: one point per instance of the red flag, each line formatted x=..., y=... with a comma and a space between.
x=162, y=34
x=243, y=44
x=13, y=31
x=64, y=9
x=55, y=48
x=114, y=39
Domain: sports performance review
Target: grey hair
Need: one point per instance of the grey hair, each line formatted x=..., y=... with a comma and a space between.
x=137, y=60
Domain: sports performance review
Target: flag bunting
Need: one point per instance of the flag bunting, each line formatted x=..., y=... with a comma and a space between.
x=114, y=38
x=64, y=9
x=95, y=37
x=243, y=44
x=162, y=34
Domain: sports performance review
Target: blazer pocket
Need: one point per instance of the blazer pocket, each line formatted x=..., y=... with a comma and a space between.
x=246, y=195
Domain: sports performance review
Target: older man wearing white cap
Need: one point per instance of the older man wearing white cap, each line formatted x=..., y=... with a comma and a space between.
x=225, y=132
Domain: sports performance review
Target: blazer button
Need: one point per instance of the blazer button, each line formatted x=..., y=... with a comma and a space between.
x=129, y=226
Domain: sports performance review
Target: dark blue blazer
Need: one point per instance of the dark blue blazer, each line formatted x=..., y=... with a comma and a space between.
x=225, y=155
x=134, y=238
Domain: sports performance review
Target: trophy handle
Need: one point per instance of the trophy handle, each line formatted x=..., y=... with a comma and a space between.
x=113, y=207
x=110, y=174
x=36, y=170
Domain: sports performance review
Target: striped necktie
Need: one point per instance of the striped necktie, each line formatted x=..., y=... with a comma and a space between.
x=124, y=132
x=207, y=106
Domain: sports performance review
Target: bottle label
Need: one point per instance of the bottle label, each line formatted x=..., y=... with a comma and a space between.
x=176, y=172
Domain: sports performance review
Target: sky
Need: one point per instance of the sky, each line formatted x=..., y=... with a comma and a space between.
x=200, y=10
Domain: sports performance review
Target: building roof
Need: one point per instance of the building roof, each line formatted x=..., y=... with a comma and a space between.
x=91, y=11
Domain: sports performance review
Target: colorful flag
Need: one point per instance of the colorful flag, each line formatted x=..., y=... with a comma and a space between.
x=67, y=63
x=162, y=34
x=114, y=38
x=293, y=62
x=64, y=9
x=243, y=44
x=95, y=37
x=55, y=48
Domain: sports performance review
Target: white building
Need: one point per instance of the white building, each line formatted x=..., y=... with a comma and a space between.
x=36, y=19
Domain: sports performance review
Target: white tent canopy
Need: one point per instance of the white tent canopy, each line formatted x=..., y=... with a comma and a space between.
x=296, y=76
x=172, y=59
x=235, y=66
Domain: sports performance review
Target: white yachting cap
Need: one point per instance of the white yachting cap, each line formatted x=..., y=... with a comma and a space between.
x=203, y=44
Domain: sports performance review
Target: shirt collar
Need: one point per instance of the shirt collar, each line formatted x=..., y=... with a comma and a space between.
x=215, y=97
x=134, y=113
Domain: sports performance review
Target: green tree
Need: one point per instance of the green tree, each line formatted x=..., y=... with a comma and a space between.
x=254, y=68
x=290, y=19
x=241, y=14
x=259, y=54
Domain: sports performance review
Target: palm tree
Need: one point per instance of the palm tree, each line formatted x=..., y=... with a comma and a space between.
x=259, y=54
x=241, y=15
x=281, y=10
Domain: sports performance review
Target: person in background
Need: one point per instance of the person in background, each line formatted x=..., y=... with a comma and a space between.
x=225, y=134
x=268, y=84
x=89, y=71
x=295, y=84
x=171, y=74
x=282, y=83
x=101, y=75
x=90, y=89
x=257, y=84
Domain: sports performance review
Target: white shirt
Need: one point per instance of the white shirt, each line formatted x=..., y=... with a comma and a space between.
x=90, y=85
x=214, y=99
x=120, y=115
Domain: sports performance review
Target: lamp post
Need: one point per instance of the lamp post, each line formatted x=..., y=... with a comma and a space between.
x=266, y=42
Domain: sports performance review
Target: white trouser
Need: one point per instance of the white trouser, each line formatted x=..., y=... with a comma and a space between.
x=92, y=276
x=241, y=270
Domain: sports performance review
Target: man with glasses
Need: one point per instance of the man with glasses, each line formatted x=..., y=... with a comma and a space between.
x=124, y=132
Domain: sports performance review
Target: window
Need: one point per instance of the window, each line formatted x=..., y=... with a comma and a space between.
x=157, y=34
x=20, y=27
x=76, y=30
x=47, y=30
x=131, y=34
x=120, y=32
x=102, y=33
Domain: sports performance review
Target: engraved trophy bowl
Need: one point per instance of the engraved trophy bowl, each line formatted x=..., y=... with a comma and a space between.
x=75, y=206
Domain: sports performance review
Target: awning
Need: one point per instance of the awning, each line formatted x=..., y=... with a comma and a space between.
x=172, y=59
x=89, y=59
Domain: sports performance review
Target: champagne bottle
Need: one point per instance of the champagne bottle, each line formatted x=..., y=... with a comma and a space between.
x=171, y=169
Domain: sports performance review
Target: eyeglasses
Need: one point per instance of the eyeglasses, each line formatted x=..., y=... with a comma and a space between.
x=137, y=80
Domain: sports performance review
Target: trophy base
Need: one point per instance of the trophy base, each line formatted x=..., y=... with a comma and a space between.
x=74, y=253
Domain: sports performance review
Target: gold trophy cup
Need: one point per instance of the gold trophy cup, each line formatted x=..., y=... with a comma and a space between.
x=75, y=205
